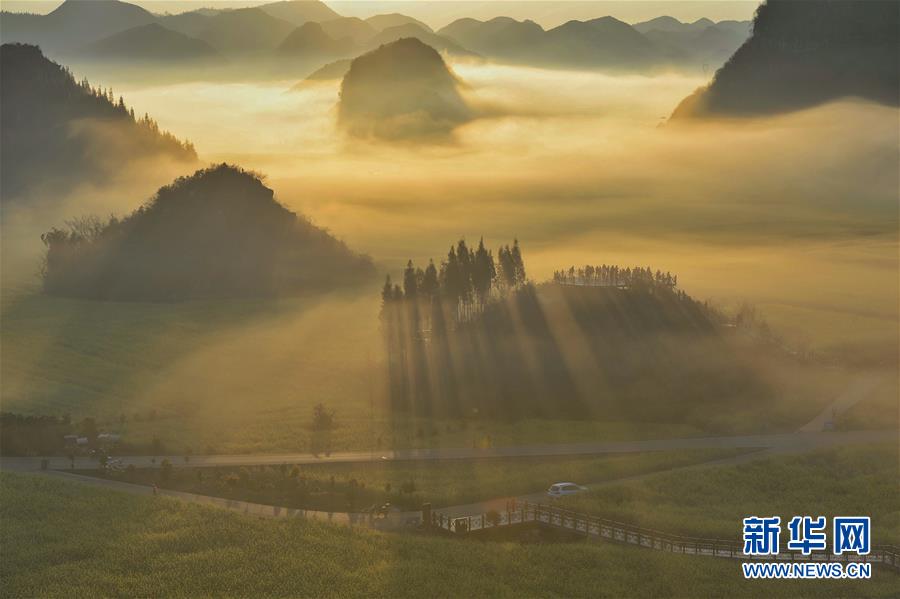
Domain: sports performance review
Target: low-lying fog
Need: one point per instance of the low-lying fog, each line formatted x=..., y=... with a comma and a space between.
x=797, y=213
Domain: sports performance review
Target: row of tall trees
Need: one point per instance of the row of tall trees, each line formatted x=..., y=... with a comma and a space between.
x=615, y=276
x=420, y=313
x=467, y=279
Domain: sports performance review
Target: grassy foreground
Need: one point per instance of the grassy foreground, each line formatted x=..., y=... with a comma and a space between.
x=64, y=539
x=712, y=501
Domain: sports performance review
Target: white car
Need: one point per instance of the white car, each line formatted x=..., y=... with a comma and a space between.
x=563, y=489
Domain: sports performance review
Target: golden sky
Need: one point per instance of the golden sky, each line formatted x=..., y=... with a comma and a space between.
x=438, y=13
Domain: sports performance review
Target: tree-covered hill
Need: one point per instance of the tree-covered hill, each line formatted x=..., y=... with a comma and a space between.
x=401, y=90
x=218, y=233
x=802, y=54
x=55, y=130
x=474, y=336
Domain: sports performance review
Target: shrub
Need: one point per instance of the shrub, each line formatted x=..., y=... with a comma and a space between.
x=323, y=419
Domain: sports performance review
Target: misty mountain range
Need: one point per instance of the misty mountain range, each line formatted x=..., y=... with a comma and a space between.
x=603, y=42
x=308, y=31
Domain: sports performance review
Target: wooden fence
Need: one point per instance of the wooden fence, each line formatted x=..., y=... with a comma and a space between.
x=600, y=528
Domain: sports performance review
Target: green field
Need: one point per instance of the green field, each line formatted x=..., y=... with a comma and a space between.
x=78, y=541
x=243, y=377
x=352, y=487
x=710, y=502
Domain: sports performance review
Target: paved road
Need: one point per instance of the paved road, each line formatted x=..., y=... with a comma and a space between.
x=807, y=438
x=801, y=441
x=858, y=390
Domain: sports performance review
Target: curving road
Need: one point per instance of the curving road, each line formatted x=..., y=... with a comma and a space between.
x=808, y=438
x=788, y=442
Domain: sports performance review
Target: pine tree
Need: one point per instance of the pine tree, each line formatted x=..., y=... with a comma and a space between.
x=430, y=285
x=410, y=284
x=518, y=264
x=387, y=293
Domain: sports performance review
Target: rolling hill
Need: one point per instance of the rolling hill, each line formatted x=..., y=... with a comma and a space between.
x=802, y=54
x=218, y=233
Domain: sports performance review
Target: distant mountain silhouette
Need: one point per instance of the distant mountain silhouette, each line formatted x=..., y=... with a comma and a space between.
x=700, y=42
x=806, y=53
x=55, y=131
x=382, y=22
x=330, y=72
x=311, y=41
x=502, y=37
x=411, y=30
x=663, y=23
x=402, y=90
x=599, y=43
x=190, y=23
x=150, y=43
x=76, y=26
x=605, y=42
x=84, y=26
x=73, y=24
x=349, y=27
x=219, y=233
x=671, y=24
x=299, y=12
x=245, y=31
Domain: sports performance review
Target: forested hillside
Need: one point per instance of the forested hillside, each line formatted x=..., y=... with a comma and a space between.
x=56, y=130
x=806, y=53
